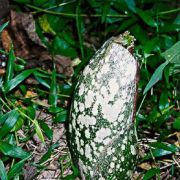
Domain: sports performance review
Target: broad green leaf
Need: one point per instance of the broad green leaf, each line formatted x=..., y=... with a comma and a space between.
x=167, y=147
x=157, y=75
x=60, y=46
x=176, y=123
x=151, y=45
x=45, y=24
x=163, y=102
x=10, y=66
x=31, y=112
x=151, y=173
x=146, y=17
x=47, y=131
x=131, y=5
x=12, y=151
x=172, y=55
x=3, y=117
x=53, y=90
x=3, y=26
x=68, y=37
x=61, y=116
x=3, y=175
x=38, y=130
x=9, y=123
x=18, y=124
x=17, y=80
x=17, y=168
x=157, y=153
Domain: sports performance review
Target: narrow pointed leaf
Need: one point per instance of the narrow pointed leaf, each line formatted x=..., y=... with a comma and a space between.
x=3, y=26
x=3, y=175
x=38, y=130
x=155, y=77
x=12, y=151
x=53, y=90
x=17, y=168
x=9, y=123
x=17, y=80
x=10, y=66
x=173, y=54
x=146, y=17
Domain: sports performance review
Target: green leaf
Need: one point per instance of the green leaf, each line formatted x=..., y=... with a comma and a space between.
x=53, y=90
x=10, y=66
x=151, y=45
x=157, y=75
x=61, y=116
x=163, y=102
x=146, y=17
x=172, y=55
x=3, y=174
x=12, y=151
x=176, y=123
x=151, y=173
x=3, y=117
x=47, y=131
x=17, y=80
x=47, y=155
x=3, y=26
x=131, y=5
x=9, y=123
x=18, y=124
x=105, y=10
x=38, y=131
x=17, y=168
x=45, y=24
x=42, y=81
x=167, y=147
x=157, y=153
x=60, y=46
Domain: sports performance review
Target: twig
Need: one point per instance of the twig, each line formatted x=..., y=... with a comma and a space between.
x=72, y=14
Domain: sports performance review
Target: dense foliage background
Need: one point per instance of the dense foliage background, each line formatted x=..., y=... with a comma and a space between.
x=76, y=29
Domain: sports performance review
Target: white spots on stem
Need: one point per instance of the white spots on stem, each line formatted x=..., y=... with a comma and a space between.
x=102, y=134
x=133, y=150
x=88, y=152
x=112, y=165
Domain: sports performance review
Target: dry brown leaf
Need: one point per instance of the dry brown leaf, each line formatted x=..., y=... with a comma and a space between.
x=2, y=72
x=6, y=40
x=146, y=166
x=30, y=94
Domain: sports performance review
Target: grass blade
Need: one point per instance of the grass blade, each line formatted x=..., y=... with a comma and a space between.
x=53, y=90
x=17, y=80
x=10, y=66
x=3, y=26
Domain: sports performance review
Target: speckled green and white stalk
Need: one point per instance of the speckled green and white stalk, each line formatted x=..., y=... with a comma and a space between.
x=101, y=132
